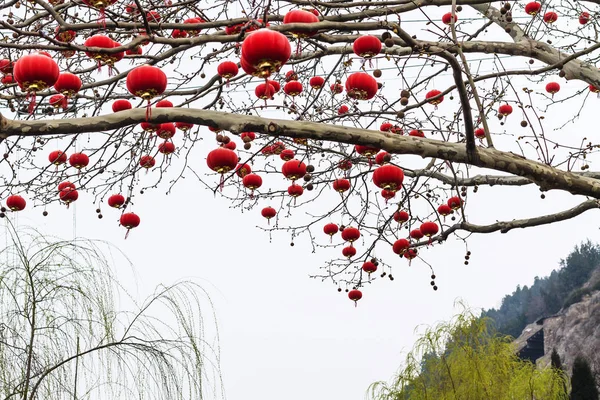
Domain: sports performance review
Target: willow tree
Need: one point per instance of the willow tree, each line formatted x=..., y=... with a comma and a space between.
x=63, y=336
x=481, y=93
x=465, y=359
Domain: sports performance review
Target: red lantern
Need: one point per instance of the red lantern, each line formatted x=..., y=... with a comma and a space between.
x=184, y=126
x=350, y=234
x=166, y=148
x=388, y=194
x=227, y=70
x=532, y=8
x=275, y=84
x=366, y=151
x=389, y=177
x=386, y=127
x=147, y=161
x=454, y=202
x=179, y=34
x=295, y=190
x=293, y=169
x=355, y=295
x=116, y=200
x=193, y=32
x=149, y=128
x=121, y=105
x=444, y=210
x=341, y=185
x=382, y=156
x=7, y=79
x=252, y=182
x=79, y=160
x=101, y=41
x=330, y=229
x=293, y=88
x=434, y=93
x=129, y=221
x=584, y=18
x=250, y=26
x=410, y=254
x=361, y=86
x=153, y=16
x=6, y=66
x=301, y=17
x=34, y=73
x=349, y=251
x=550, y=17
x=552, y=87
x=57, y=101
x=264, y=91
x=68, y=84
x=166, y=130
x=429, y=229
x=15, y=202
x=66, y=185
x=291, y=76
x=268, y=213
x=146, y=82
x=336, y=88
x=164, y=103
x=479, y=133
x=369, y=267
x=416, y=234
x=316, y=82
x=447, y=18
x=136, y=51
x=416, y=133
x=57, y=157
x=401, y=216
x=222, y=160
x=287, y=154
x=266, y=51
x=345, y=165
x=594, y=89
x=400, y=246
x=64, y=36
x=366, y=46
x=242, y=170
x=343, y=109
x=68, y=196
x=505, y=110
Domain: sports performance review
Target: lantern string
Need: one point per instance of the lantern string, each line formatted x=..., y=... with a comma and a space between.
x=102, y=19
x=148, y=111
x=31, y=102
x=127, y=234
x=222, y=183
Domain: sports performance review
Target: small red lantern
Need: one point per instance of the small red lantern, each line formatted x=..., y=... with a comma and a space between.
x=316, y=82
x=454, y=202
x=383, y=157
x=388, y=194
x=369, y=267
x=129, y=221
x=248, y=136
x=479, y=133
x=410, y=254
x=295, y=190
x=166, y=148
x=6, y=66
x=15, y=202
x=401, y=216
x=341, y=185
x=116, y=200
x=58, y=101
x=366, y=46
x=57, y=157
x=264, y=91
x=447, y=18
x=416, y=234
x=79, y=160
x=252, y=182
x=147, y=161
x=355, y=295
x=242, y=170
x=293, y=169
x=330, y=229
x=429, y=229
x=291, y=76
x=227, y=70
x=149, y=128
x=343, y=109
x=100, y=41
x=275, y=84
x=7, y=79
x=166, y=130
x=434, y=93
x=416, y=133
x=222, y=160
x=301, y=17
x=349, y=251
x=268, y=213
x=361, y=86
x=68, y=196
x=65, y=185
x=164, y=103
x=389, y=177
x=336, y=88
x=584, y=18
x=146, y=82
x=505, y=110
x=366, y=151
x=121, y=105
x=386, y=127
x=444, y=210
x=400, y=246
x=350, y=234
x=266, y=51
x=550, y=17
x=184, y=126
x=34, y=73
x=179, y=34
x=68, y=84
x=552, y=87
x=287, y=154
x=532, y=8
x=345, y=165
x=293, y=88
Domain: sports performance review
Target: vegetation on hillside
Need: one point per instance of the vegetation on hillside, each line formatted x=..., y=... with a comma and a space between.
x=548, y=295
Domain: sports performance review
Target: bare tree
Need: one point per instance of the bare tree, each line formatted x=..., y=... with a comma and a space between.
x=464, y=85
x=63, y=337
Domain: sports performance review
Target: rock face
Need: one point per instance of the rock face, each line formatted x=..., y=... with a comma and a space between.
x=574, y=330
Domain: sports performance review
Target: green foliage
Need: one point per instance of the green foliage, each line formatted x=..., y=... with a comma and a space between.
x=582, y=381
x=466, y=359
x=548, y=295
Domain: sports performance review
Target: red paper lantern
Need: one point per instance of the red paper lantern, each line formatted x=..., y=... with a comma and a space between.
x=103, y=42
x=116, y=200
x=15, y=202
x=57, y=101
x=350, y=234
x=129, y=221
x=341, y=185
x=293, y=88
x=369, y=267
x=532, y=8
x=146, y=82
x=222, y=160
x=388, y=194
x=454, y=202
x=336, y=88
x=367, y=46
x=416, y=133
x=343, y=109
x=388, y=177
x=242, y=170
x=6, y=66
x=366, y=151
x=179, y=34
x=316, y=82
x=584, y=18
x=386, y=127
x=68, y=196
x=552, y=87
x=268, y=213
x=193, y=32
x=355, y=295
x=433, y=93
x=479, y=133
x=64, y=36
x=416, y=234
x=227, y=69
x=147, y=161
x=164, y=103
x=79, y=160
x=57, y=157
x=301, y=17
x=400, y=246
x=68, y=84
x=293, y=169
x=34, y=73
x=65, y=185
x=266, y=51
x=166, y=130
x=275, y=84
x=184, y=126
x=550, y=17
x=287, y=154
x=121, y=105
x=429, y=228
x=444, y=210
x=330, y=229
x=410, y=254
x=349, y=251
x=7, y=79
x=148, y=127
x=295, y=190
x=291, y=76
x=136, y=51
x=401, y=216
x=264, y=91
x=252, y=182
x=447, y=18
x=166, y=148
x=505, y=110
x=361, y=86
x=382, y=156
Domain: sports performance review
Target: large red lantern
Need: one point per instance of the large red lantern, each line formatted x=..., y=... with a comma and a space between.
x=147, y=161
x=454, y=202
x=222, y=160
x=266, y=51
x=66, y=185
x=227, y=70
x=293, y=169
x=164, y=103
x=129, y=221
x=301, y=17
x=34, y=73
x=444, y=210
x=350, y=234
x=550, y=17
x=68, y=84
x=57, y=101
x=552, y=87
x=184, y=126
x=64, y=36
x=361, y=86
x=116, y=200
x=15, y=202
x=366, y=46
x=416, y=234
x=103, y=42
x=193, y=32
x=429, y=229
x=146, y=82
x=388, y=177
